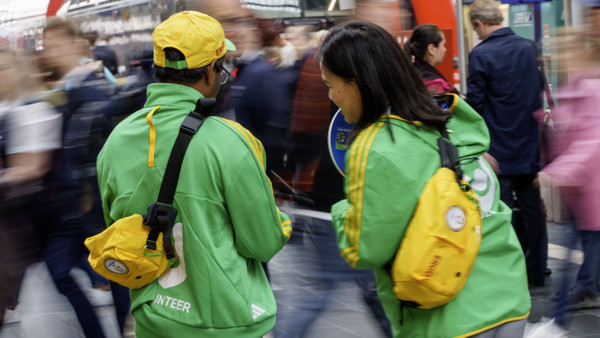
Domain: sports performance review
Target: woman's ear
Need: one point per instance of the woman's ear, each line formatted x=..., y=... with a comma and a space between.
x=430, y=49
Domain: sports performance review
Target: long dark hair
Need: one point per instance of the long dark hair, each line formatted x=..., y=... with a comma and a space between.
x=420, y=39
x=367, y=54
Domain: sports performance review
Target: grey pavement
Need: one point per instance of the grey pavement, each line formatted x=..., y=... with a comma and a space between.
x=43, y=312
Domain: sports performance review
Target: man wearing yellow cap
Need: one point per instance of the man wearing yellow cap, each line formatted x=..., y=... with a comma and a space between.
x=227, y=221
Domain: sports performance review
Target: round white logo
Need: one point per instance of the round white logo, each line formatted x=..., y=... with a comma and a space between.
x=455, y=218
x=116, y=266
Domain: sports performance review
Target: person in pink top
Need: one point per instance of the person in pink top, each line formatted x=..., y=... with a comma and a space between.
x=577, y=163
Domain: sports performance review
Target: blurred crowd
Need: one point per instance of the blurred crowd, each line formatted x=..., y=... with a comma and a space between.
x=59, y=105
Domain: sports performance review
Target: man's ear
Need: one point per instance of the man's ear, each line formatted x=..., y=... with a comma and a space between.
x=211, y=72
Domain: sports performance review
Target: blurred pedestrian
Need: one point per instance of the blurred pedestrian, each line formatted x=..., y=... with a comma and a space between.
x=504, y=86
x=311, y=112
x=317, y=186
x=574, y=169
x=394, y=152
x=86, y=111
x=262, y=100
x=101, y=51
x=34, y=148
x=30, y=132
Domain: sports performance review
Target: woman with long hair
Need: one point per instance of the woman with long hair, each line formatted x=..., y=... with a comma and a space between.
x=427, y=47
x=394, y=152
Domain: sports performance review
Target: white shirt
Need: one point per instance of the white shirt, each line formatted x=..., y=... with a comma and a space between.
x=32, y=128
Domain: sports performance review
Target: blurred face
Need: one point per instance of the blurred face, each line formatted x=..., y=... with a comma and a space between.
x=593, y=18
x=480, y=29
x=437, y=53
x=296, y=35
x=344, y=94
x=240, y=28
x=7, y=76
x=61, y=52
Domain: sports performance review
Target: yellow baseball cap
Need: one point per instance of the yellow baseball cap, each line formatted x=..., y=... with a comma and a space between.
x=198, y=36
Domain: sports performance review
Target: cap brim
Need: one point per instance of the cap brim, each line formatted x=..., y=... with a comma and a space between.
x=230, y=46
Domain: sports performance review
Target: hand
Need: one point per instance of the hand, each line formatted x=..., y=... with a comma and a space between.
x=547, y=180
x=536, y=182
x=492, y=162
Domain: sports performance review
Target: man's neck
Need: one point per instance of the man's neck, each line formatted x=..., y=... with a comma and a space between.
x=198, y=86
x=491, y=29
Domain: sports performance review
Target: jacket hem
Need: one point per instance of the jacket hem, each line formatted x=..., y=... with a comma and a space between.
x=472, y=333
x=149, y=325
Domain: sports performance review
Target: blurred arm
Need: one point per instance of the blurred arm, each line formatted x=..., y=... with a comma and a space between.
x=26, y=167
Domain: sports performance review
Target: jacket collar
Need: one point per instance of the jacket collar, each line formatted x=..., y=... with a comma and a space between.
x=499, y=32
x=170, y=94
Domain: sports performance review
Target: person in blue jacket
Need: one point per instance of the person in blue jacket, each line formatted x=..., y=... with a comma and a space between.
x=504, y=86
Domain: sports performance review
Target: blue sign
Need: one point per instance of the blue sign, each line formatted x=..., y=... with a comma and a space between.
x=339, y=134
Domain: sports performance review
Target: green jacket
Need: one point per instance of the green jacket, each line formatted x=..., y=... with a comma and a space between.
x=384, y=179
x=227, y=222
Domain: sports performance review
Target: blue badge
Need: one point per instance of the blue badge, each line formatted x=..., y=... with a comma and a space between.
x=339, y=134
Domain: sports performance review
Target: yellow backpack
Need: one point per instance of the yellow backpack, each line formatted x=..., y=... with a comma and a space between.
x=442, y=240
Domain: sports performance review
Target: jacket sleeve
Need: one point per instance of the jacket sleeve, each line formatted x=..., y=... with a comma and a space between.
x=581, y=148
x=476, y=82
x=381, y=198
x=260, y=229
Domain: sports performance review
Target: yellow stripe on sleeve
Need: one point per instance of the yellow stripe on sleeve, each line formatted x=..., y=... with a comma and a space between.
x=249, y=139
x=353, y=162
x=152, y=136
x=358, y=180
x=357, y=171
x=286, y=227
x=362, y=174
x=345, y=251
x=352, y=259
x=257, y=145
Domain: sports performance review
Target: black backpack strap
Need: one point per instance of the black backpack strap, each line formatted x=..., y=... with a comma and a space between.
x=449, y=154
x=161, y=214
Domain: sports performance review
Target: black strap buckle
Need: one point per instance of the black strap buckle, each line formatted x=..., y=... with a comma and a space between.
x=192, y=123
x=160, y=218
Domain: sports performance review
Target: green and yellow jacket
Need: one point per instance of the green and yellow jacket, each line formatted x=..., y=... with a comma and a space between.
x=227, y=220
x=384, y=178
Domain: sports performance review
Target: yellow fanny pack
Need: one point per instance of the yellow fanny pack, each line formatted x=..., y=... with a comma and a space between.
x=442, y=240
x=135, y=250
x=120, y=254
